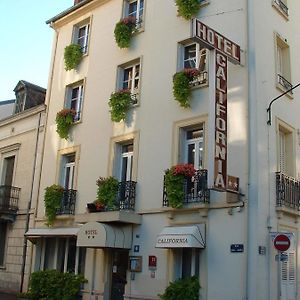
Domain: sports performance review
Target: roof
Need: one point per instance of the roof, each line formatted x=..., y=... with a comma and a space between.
x=30, y=85
x=5, y=102
x=67, y=11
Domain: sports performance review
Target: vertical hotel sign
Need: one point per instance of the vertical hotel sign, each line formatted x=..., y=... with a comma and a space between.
x=225, y=49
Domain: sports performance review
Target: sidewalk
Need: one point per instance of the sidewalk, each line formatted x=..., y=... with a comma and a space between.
x=7, y=297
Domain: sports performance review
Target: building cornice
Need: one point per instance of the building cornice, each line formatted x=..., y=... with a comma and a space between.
x=23, y=115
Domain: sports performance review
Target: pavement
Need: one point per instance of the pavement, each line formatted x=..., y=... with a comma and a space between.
x=7, y=297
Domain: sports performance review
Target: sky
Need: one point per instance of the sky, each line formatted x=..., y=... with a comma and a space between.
x=26, y=42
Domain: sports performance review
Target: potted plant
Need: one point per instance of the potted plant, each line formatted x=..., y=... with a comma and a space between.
x=64, y=121
x=182, y=86
x=52, y=199
x=124, y=30
x=72, y=56
x=119, y=103
x=106, y=194
x=174, y=183
x=187, y=8
x=185, y=288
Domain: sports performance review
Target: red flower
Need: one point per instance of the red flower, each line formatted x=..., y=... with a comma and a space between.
x=129, y=21
x=186, y=170
x=191, y=72
x=65, y=112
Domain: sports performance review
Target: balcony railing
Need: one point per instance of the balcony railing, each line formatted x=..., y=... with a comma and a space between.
x=202, y=78
x=195, y=189
x=68, y=200
x=284, y=83
x=283, y=7
x=9, y=198
x=126, y=196
x=287, y=191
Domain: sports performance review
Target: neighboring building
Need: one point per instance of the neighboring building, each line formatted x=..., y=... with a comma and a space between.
x=7, y=108
x=224, y=232
x=21, y=141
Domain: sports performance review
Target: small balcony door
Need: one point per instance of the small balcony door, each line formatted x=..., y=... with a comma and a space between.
x=126, y=163
x=8, y=171
x=68, y=172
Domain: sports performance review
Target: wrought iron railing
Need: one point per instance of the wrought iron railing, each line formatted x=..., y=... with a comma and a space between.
x=68, y=200
x=287, y=191
x=126, y=196
x=9, y=198
x=195, y=189
x=283, y=7
x=283, y=82
x=202, y=78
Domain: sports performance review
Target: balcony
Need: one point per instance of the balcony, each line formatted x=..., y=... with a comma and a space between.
x=287, y=192
x=9, y=198
x=195, y=189
x=201, y=79
x=122, y=210
x=282, y=6
x=68, y=201
x=284, y=83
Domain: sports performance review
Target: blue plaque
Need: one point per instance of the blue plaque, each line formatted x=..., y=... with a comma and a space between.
x=237, y=248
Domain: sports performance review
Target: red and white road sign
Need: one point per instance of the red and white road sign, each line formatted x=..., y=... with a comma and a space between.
x=282, y=242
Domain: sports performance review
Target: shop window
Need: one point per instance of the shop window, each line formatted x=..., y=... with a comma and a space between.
x=283, y=67
x=74, y=99
x=129, y=79
x=81, y=33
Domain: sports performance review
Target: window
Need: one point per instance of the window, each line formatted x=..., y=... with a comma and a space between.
x=68, y=172
x=193, y=146
x=3, y=233
x=283, y=69
x=63, y=255
x=193, y=56
x=8, y=170
x=130, y=80
x=281, y=6
x=135, y=8
x=74, y=99
x=187, y=262
x=81, y=35
x=286, y=160
x=126, y=161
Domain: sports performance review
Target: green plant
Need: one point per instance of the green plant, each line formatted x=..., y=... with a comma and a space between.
x=182, y=289
x=124, y=30
x=182, y=86
x=24, y=296
x=64, y=121
x=52, y=199
x=174, y=183
x=107, y=191
x=187, y=8
x=53, y=285
x=72, y=56
x=119, y=103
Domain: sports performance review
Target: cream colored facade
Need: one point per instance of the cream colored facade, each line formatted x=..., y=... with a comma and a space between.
x=157, y=132
x=21, y=141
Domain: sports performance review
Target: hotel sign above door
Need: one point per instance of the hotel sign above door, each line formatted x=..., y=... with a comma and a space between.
x=213, y=39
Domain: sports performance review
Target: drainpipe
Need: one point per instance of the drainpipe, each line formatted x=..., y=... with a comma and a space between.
x=29, y=202
x=252, y=157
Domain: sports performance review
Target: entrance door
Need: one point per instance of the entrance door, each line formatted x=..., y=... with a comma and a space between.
x=119, y=268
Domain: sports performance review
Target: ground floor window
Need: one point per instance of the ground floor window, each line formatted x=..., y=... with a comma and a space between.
x=62, y=254
x=3, y=233
x=187, y=262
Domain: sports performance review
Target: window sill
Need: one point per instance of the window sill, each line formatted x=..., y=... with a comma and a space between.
x=280, y=10
x=2, y=268
x=282, y=89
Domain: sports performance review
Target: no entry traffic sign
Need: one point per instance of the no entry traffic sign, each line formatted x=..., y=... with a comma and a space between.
x=282, y=242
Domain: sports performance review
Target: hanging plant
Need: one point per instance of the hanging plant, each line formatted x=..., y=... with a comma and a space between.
x=52, y=199
x=64, y=121
x=174, y=183
x=124, y=30
x=119, y=103
x=182, y=86
x=72, y=56
x=187, y=8
x=107, y=192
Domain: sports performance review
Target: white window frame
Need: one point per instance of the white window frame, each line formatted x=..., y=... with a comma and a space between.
x=139, y=17
x=76, y=39
x=129, y=156
x=78, y=100
x=135, y=75
x=71, y=167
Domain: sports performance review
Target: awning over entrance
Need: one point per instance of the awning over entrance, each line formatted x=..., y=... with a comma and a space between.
x=35, y=233
x=182, y=237
x=100, y=235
